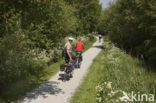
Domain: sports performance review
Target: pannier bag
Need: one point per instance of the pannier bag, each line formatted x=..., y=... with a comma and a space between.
x=62, y=67
x=69, y=68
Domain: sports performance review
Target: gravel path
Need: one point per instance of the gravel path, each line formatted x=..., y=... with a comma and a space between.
x=56, y=91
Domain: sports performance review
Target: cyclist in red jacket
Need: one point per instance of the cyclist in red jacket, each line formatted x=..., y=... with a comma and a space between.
x=79, y=46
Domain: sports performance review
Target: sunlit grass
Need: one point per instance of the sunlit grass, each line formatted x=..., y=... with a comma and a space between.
x=113, y=65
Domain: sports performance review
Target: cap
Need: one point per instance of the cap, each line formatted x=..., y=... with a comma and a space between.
x=70, y=38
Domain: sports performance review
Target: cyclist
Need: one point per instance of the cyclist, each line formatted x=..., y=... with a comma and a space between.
x=100, y=37
x=69, y=57
x=79, y=46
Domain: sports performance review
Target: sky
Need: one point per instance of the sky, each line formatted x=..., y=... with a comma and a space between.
x=105, y=3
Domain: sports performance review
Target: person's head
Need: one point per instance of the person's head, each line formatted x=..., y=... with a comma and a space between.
x=80, y=39
x=70, y=39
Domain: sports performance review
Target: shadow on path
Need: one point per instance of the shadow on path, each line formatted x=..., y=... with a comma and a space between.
x=98, y=46
x=48, y=88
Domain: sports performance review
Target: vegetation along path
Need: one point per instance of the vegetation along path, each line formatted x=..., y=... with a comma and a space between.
x=113, y=72
x=56, y=91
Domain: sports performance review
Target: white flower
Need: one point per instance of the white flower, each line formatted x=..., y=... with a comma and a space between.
x=109, y=85
x=99, y=99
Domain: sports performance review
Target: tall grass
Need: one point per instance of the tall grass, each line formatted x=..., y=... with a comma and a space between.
x=121, y=70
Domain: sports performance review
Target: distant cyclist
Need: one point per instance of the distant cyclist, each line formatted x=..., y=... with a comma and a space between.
x=100, y=37
x=79, y=46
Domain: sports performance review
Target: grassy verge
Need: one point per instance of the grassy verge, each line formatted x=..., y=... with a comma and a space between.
x=20, y=88
x=125, y=73
x=88, y=44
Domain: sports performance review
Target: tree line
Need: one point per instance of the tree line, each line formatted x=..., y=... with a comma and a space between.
x=32, y=33
x=131, y=25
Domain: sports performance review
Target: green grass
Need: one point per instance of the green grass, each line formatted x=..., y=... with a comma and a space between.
x=20, y=88
x=89, y=43
x=113, y=65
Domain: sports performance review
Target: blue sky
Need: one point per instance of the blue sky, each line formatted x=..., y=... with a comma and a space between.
x=105, y=3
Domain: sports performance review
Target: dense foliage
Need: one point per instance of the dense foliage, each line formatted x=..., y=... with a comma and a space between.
x=32, y=33
x=131, y=25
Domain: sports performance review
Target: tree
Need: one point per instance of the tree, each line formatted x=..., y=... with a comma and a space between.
x=131, y=24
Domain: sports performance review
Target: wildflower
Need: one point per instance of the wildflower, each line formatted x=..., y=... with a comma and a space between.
x=109, y=85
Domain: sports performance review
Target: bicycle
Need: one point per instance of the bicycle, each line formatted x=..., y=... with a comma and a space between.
x=79, y=59
x=100, y=40
x=67, y=68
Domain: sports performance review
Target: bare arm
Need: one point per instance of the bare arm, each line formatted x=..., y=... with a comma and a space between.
x=83, y=46
x=69, y=55
x=76, y=46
